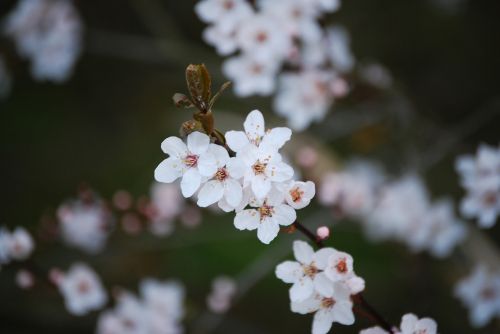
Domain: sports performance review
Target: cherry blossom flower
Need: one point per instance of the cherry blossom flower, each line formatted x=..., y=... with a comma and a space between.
x=166, y=204
x=480, y=176
x=298, y=194
x=480, y=293
x=224, y=182
x=16, y=245
x=306, y=274
x=410, y=324
x=335, y=306
x=84, y=225
x=266, y=216
x=223, y=290
x=226, y=14
x=158, y=311
x=49, y=33
x=192, y=162
x=251, y=75
x=82, y=290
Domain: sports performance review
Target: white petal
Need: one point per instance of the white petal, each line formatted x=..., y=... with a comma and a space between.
x=190, y=182
x=224, y=205
x=322, y=322
x=174, y=146
x=275, y=196
x=321, y=257
x=236, y=168
x=323, y=285
x=277, y=137
x=302, y=251
x=198, y=142
x=233, y=192
x=254, y=125
x=302, y=289
x=247, y=220
x=289, y=271
x=342, y=312
x=220, y=154
x=284, y=215
x=279, y=172
x=267, y=231
x=309, y=305
x=236, y=140
x=168, y=170
x=408, y=323
x=356, y=284
x=207, y=165
x=210, y=192
x=260, y=186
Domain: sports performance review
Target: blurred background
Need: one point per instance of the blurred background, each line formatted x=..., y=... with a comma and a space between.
x=105, y=124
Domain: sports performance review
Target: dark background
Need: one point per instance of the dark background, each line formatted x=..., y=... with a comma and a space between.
x=105, y=125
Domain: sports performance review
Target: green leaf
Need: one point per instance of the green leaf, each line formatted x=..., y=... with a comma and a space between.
x=221, y=89
x=182, y=101
x=199, y=85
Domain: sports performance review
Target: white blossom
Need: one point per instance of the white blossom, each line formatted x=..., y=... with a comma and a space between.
x=16, y=245
x=82, y=290
x=225, y=14
x=49, y=33
x=166, y=205
x=223, y=291
x=193, y=162
x=299, y=194
x=480, y=176
x=84, y=225
x=480, y=293
x=410, y=324
x=335, y=306
x=266, y=216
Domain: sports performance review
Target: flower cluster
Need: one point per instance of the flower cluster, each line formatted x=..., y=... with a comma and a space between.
x=323, y=282
x=159, y=311
x=82, y=289
x=272, y=34
x=410, y=324
x=399, y=209
x=256, y=177
x=49, y=34
x=480, y=293
x=223, y=290
x=480, y=176
x=85, y=224
x=16, y=245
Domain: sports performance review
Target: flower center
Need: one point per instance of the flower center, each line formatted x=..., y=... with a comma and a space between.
x=266, y=211
x=341, y=266
x=221, y=174
x=191, y=160
x=228, y=4
x=261, y=36
x=296, y=194
x=327, y=302
x=310, y=270
x=259, y=168
x=83, y=287
x=490, y=198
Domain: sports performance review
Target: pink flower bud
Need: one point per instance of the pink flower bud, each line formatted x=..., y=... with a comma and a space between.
x=323, y=232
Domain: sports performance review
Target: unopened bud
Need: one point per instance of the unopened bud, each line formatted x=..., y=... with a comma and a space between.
x=323, y=232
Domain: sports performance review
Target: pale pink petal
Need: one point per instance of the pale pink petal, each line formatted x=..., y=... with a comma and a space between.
x=267, y=231
x=168, y=170
x=356, y=284
x=322, y=322
x=190, y=182
x=198, y=142
x=174, y=147
x=323, y=285
x=301, y=289
x=236, y=140
x=321, y=257
x=247, y=220
x=342, y=312
x=210, y=192
x=289, y=271
x=279, y=172
x=260, y=186
x=207, y=165
x=236, y=168
x=284, y=215
x=233, y=192
x=254, y=125
x=408, y=323
x=220, y=154
x=277, y=137
x=309, y=305
x=303, y=252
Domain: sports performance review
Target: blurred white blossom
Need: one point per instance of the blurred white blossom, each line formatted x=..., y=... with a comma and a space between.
x=16, y=245
x=82, y=290
x=410, y=324
x=220, y=297
x=49, y=34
